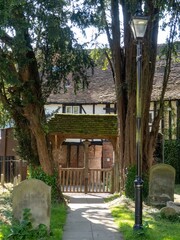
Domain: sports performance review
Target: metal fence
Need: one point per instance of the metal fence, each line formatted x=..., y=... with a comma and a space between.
x=11, y=169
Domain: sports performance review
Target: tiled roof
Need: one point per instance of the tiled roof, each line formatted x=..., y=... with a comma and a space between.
x=102, y=89
x=173, y=87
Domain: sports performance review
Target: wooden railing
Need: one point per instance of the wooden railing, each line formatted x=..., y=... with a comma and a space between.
x=100, y=180
x=73, y=180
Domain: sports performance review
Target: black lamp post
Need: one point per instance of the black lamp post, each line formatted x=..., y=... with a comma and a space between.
x=138, y=26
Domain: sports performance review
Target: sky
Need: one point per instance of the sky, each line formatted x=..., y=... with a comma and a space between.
x=103, y=38
x=162, y=35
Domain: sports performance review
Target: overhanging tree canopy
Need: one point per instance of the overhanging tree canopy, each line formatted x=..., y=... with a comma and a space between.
x=37, y=52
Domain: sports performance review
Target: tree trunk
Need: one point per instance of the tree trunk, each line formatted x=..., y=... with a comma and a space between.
x=44, y=154
x=27, y=147
x=121, y=91
x=125, y=80
x=33, y=109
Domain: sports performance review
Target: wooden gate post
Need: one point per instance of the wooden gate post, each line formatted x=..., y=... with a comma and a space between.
x=86, y=145
x=116, y=170
x=4, y=154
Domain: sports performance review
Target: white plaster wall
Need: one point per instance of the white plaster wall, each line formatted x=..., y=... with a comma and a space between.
x=88, y=109
x=112, y=106
x=49, y=109
x=72, y=140
x=99, y=109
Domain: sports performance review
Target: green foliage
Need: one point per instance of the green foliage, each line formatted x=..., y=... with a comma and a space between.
x=58, y=219
x=125, y=220
x=171, y=156
x=143, y=232
x=25, y=142
x=4, y=230
x=4, y=117
x=154, y=227
x=38, y=53
x=177, y=189
x=129, y=184
x=24, y=230
x=99, y=57
x=43, y=28
x=38, y=173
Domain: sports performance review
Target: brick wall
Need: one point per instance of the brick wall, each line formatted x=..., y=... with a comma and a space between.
x=107, y=155
x=95, y=156
x=100, y=156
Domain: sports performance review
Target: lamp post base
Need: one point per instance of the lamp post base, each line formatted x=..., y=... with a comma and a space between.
x=137, y=227
x=138, y=183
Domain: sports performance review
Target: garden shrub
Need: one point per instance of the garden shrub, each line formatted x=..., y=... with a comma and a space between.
x=38, y=173
x=24, y=229
x=171, y=156
x=129, y=184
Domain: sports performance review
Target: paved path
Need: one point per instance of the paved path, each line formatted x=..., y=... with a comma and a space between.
x=89, y=219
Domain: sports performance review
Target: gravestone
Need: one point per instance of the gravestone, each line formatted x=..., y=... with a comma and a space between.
x=35, y=195
x=174, y=205
x=161, y=184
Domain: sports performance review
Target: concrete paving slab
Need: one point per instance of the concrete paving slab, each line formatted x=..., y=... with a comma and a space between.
x=89, y=219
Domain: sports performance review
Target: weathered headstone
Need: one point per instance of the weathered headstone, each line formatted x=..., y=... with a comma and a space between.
x=174, y=205
x=35, y=195
x=161, y=184
x=167, y=212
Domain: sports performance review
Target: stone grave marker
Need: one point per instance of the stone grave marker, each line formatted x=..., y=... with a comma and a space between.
x=161, y=184
x=35, y=195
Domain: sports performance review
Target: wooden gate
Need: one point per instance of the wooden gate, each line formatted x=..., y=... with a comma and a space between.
x=99, y=180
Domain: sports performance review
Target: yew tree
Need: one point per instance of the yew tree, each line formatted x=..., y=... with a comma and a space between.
x=37, y=52
x=113, y=17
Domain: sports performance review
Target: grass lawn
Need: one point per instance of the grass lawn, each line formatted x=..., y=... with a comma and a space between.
x=58, y=219
x=155, y=227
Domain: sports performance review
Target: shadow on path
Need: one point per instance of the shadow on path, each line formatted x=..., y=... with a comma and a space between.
x=89, y=219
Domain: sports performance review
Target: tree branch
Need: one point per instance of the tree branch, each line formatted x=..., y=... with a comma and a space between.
x=106, y=23
x=110, y=64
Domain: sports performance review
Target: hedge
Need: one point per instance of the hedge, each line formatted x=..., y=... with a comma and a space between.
x=172, y=156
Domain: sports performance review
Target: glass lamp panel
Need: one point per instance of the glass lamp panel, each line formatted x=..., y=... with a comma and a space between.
x=139, y=27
